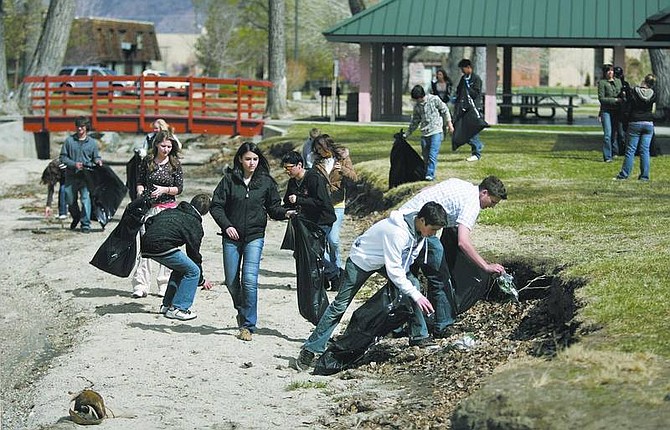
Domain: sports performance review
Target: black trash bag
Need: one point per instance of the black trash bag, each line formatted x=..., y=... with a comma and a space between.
x=289, y=237
x=118, y=253
x=382, y=313
x=107, y=192
x=466, y=125
x=406, y=164
x=308, y=251
x=469, y=282
x=132, y=170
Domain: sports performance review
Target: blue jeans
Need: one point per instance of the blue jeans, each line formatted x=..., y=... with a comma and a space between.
x=243, y=289
x=334, y=239
x=476, y=146
x=354, y=278
x=639, y=134
x=436, y=272
x=610, y=147
x=330, y=269
x=77, y=184
x=183, y=282
x=62, y=204
x=430, y=148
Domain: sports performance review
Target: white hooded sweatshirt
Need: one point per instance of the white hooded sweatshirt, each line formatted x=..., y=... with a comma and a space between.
x=393, y=244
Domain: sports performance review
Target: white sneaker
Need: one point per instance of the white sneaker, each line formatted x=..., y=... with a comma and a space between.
x=62, y=216
x=163, y=309
x=139, y=294
x=472, y=158
x=178, y=314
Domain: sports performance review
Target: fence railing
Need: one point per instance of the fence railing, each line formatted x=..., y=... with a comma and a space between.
x=133, y=103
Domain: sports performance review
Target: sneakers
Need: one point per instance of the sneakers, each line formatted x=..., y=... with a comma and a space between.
x=428, y=178
x=163, y=309
x=178, y=314
x=472, y=158
x=426, y=342
x=244, y=334
x=61, y=217
x=304, y=360
x=139, y=294
x=85, y=230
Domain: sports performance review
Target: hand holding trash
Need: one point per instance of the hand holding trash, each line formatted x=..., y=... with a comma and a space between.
x=495, y=268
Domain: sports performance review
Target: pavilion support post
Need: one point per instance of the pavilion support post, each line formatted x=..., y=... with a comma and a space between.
x=364, y=89
x=387, y=81
x=490, y=105
x=397, y=80
x=377, y=79
x=506, y=110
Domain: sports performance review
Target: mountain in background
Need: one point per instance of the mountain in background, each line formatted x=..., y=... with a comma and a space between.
x=168, y=16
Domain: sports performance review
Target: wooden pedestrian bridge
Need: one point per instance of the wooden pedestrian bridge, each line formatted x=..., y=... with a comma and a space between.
x=130, y=104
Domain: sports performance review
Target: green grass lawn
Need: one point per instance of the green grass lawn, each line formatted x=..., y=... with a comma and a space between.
x=564, y=209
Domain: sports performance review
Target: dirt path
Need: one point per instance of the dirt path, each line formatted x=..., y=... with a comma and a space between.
x=151, y=371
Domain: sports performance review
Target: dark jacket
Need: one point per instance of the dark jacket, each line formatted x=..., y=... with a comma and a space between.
x=246, y=207
x=313, y=199
x=608, y=94
x=443, y=96
x=640, y=103
x=475, y=90
x=171, y=229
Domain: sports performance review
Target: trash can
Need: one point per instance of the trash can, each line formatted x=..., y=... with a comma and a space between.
x=352, y=107
x=43, y=145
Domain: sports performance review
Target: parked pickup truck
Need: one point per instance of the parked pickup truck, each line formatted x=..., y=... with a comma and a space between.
x=165, y=87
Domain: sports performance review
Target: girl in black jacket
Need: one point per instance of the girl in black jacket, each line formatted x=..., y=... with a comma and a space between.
x=242, y=201
x=640, y=105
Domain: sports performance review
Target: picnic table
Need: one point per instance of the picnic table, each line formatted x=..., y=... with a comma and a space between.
x=542, y=105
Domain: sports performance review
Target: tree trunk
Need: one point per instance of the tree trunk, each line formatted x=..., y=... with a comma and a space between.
x=276, y=105
x=455, y=55
x=52, y=44
x=4, y=87
x=356, y=6
x=660, y=64
x=479, y=65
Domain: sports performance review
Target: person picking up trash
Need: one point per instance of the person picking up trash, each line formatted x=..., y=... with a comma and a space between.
x=388, y=247
x=165, y=233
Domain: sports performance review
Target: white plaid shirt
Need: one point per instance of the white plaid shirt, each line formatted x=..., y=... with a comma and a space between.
x=460, y=199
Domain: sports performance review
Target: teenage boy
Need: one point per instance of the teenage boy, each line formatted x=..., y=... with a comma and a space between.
x=388, y=247
x=469, y=87
x=165, y=233
x=307, y=191
x=429, y=114
x=462, y=202
x=79, y=152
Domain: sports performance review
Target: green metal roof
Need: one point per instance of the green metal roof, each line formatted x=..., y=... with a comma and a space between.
x=567, y=23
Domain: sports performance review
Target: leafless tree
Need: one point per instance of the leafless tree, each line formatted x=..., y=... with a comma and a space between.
x=660, y=66
x=3, y=59
x=276, y=104
x=214, y=48
x=52, y=44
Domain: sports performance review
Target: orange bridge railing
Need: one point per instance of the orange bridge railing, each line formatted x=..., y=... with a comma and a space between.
x=132, y=103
